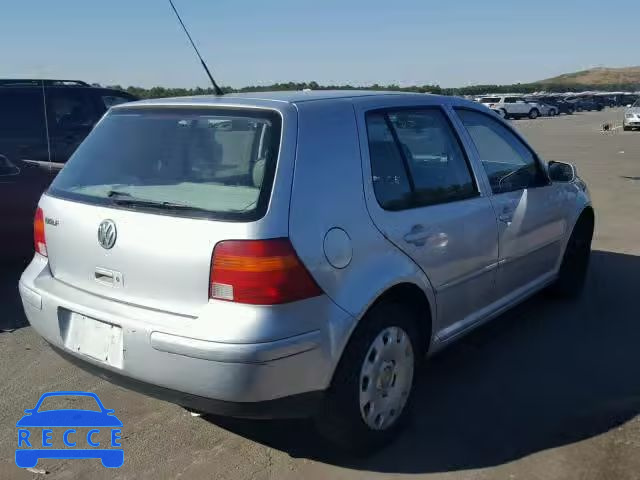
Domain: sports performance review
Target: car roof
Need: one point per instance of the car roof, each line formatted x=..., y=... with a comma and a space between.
x=69, y=88
x=282, y=101
x=291, y=97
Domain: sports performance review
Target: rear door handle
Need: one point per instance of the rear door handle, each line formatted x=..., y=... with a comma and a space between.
x=417, y=236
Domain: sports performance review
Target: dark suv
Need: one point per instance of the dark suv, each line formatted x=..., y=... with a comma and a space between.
x=588, y=103
x=562, y=105
x=41, y=124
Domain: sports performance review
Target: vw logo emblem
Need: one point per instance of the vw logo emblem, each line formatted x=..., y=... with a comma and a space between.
x=107, y=234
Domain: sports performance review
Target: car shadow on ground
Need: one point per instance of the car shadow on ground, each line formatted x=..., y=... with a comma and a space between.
x=11, y=312
x=546, y=374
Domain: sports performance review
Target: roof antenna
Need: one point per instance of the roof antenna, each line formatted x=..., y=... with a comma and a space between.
x=216, y=88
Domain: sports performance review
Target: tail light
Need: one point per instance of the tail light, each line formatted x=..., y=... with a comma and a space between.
x=39, y=240
x=259, y=272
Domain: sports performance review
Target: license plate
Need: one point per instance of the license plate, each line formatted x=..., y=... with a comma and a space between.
x=98, y=340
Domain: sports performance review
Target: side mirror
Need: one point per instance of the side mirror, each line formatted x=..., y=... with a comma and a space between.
x=562, y=172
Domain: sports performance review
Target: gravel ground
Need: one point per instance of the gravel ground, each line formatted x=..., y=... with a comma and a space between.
x=549, y=390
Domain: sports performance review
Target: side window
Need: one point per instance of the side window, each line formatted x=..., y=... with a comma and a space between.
x=22, y=127
x=21, y=114
x=419, y=161
x=390, y=182
x=509, y=100
x=113, y=100
x=436, y=162
x=509, y=163
x=70, y=109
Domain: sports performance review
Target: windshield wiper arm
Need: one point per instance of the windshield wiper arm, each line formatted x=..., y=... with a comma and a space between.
x=116, y=193
x=124, y=198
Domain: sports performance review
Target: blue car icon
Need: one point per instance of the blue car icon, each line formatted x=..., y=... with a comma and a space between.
x=28, y=455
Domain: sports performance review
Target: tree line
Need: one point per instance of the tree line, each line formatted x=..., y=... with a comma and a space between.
x=159, y=92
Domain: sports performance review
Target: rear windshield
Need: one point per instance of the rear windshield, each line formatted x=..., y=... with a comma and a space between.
x=209, y=162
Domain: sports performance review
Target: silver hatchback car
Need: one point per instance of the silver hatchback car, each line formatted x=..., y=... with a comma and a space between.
x=296, y=254
x=631, y=116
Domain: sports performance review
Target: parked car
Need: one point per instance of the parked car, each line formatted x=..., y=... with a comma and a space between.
x=585, y=103
x=561, y=105
x=608, y=100
x=632, y=117
x=34, y=145
x=599, y=102
x=261, y=270
x=511, y=106
x=627, y=100
x=545, y=109
x=622, y=99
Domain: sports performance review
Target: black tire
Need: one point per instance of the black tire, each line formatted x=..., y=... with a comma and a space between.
x=340, y=420
x=575, y=263
x=534, y=113
x=626, y=129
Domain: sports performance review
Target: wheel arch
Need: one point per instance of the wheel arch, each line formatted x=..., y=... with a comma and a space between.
x=418, y=297
x=409, y=293
x=587, y=213
x=414, y=297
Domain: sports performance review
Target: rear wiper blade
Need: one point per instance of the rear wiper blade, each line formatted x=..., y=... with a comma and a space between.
x=116, y=193
x=124, y=198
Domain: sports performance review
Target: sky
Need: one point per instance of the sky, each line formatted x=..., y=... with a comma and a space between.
x=406, y=42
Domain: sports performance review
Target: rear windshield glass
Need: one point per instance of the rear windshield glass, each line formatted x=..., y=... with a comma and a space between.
x=205, y=162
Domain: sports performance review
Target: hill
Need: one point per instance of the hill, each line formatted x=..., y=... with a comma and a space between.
x=597, y=76
x=606, y=79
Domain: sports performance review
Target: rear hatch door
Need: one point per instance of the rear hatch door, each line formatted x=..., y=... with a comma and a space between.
x=137, y=211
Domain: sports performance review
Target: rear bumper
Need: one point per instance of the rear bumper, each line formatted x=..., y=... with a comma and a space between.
x=177, y=359
x=294, y=406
